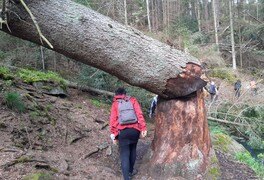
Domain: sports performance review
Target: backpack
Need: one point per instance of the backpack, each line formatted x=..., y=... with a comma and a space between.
x=126, y=111
x=212, y=89
x=237, y=86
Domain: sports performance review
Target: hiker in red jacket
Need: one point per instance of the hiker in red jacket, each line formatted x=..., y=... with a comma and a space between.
x=126, y=135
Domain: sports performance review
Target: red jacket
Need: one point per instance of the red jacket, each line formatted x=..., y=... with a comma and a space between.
x=115, y=126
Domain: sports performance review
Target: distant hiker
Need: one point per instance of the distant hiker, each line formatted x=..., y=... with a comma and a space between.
x=213, y=91
x=253, y=87
x=153, y=106
x=126, y=134
x=237, y=88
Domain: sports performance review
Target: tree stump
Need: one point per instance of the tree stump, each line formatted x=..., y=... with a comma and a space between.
x=181, y=144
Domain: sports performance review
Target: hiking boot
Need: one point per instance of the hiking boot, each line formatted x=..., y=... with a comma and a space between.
x=132, y=174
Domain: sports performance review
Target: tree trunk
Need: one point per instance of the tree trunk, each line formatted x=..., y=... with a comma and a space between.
x=98, y=41
x=206, y=15
x=125, y=12
x=182, y=142
x=215, y=24
x=148, y=15
x=199, y=16
x=232, y=35
x=93, y=39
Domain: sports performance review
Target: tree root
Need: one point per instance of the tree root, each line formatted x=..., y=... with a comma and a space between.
x=22, y=159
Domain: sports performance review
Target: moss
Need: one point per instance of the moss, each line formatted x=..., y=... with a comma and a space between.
x=48, y=88
x=214, y=172
x=221, y=141
x=38, y=176
x=96, y=103
x=214, y=159
x=23, y=159
x=30, y=76
x=8, y=77
x=34, y=114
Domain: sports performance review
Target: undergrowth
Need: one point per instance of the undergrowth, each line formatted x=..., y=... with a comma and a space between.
x=246, y=158
x=14, y=101
x=225, y=74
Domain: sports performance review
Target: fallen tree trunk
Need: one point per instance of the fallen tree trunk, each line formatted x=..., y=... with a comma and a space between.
x=90, y=89
x=96, y=40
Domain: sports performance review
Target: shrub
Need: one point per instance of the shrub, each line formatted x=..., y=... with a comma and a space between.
x=244, y=113
x=14, y=101
x=224, y=74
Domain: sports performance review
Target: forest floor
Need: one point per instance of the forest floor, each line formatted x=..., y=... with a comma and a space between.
x=68, y=138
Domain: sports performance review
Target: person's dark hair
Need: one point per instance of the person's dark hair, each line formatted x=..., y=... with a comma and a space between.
x=120, y=91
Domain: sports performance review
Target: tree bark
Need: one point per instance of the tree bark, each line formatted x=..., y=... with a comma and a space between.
x=93, y=39
x=182, y=141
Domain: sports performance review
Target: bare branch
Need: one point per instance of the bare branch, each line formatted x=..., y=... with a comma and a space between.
x=36, y=24
x=227, y=122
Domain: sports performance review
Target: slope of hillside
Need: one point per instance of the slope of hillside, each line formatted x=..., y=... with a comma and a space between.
x=68, y=138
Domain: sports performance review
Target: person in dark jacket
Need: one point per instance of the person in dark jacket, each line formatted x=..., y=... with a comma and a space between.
x=126, y=135
x=213, y=91
x=237, y=88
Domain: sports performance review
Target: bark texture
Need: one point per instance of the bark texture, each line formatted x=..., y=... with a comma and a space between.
x=91, y=38
x=182, y=144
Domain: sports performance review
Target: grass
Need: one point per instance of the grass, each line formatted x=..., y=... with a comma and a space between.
x=251, y=162
x=14, y=101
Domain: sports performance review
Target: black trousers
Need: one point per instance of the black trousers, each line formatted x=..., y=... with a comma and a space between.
x=128, y=139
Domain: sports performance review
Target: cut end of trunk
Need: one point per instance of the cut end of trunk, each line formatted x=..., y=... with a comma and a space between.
x=186, y=83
